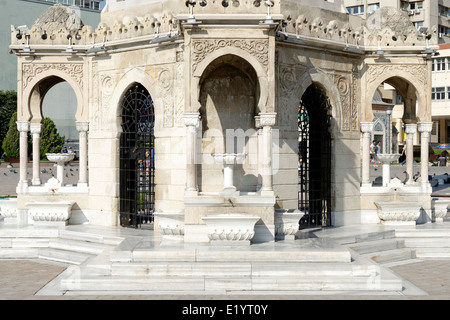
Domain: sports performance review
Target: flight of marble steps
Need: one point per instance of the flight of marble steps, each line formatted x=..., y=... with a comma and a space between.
x=100, y=264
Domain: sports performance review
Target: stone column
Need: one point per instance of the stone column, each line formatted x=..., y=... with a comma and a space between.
x=192, y=122
x=366, y=128
x=82, y=128
x=35, y=129
x=425, y=130
x=23, y=127
x=259, y=144
x=267, y=121
x=410, y=130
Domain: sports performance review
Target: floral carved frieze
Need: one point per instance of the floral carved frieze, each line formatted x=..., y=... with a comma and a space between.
x=201, y=48
x=416, y=71
x=31, y=70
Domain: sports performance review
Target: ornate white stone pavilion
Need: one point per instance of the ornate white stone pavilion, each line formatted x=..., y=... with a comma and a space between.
x=212, y=90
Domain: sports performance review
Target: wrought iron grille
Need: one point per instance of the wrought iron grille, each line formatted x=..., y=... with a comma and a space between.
x=137, y=170
x=314, y=172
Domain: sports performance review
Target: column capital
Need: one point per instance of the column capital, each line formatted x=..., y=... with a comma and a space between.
x=267, y=119
x=82, y=125
x=23, y=126
x=35, y=128
x=366, y=126
x=425, y=126
x=410, y=128
x=191, y=119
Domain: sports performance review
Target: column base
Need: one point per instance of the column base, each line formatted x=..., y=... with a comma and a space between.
x=36, y=182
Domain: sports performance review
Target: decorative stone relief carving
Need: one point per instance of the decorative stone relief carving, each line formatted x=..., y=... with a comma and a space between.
x=179, y=94
x=165, y=84
x=342, y=83
x=375, y=71
x=288, y=85
x=201, y=48
x=31, y=70
x=354, y=99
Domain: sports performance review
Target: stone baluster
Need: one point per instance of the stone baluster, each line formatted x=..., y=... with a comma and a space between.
x=366, y=128
x=192, y=122
x=410, y=130
x=267, y=121
x=425, y=130
x=35, y=129
x=82, y=128
x=23, y=127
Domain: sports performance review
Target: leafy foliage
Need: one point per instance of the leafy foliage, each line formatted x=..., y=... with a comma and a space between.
x=10, y=143
x=51, y=141
x=8, y=105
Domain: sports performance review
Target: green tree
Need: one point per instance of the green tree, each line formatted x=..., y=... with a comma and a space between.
x=8, y=105
x=10, y=143
x=51, y=141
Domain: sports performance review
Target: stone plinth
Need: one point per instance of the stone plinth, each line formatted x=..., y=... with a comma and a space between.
x=170, y=224
x=398, y=212
x=51, y=213
x=230, y=229
x=287, y=223
x=8, y=210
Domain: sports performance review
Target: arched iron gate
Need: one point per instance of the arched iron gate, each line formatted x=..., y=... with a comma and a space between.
x=314, y=172
x=137, y=170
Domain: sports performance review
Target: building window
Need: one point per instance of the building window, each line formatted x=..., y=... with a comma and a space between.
x=438, y=65
x=438, y=93
x=373, y=7
x=356, y=10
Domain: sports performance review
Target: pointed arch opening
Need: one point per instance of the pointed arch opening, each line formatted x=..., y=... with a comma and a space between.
x=137, y=170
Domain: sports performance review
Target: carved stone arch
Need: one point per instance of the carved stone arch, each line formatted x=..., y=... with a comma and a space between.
x=131, y=77
x=259, y=68
x=322, y=80
x=35, y=89
x=414, y=76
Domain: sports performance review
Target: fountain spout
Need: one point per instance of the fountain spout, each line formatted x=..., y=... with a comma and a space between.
x=228, y=160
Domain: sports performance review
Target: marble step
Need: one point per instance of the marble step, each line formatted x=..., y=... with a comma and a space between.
x=433, y=253
x=393, y=255
x=90, y=237
x=429, y=242
x=244, y=269
x=363, y=237
x=311, y=250
x=29, y=232
x=77, y=246
x=19, y=253
x=422, y=233
x=377, y=245
x=64, y=256
x=277, y=285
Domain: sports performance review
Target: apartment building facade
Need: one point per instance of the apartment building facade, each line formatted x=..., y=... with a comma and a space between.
x=422, y=14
